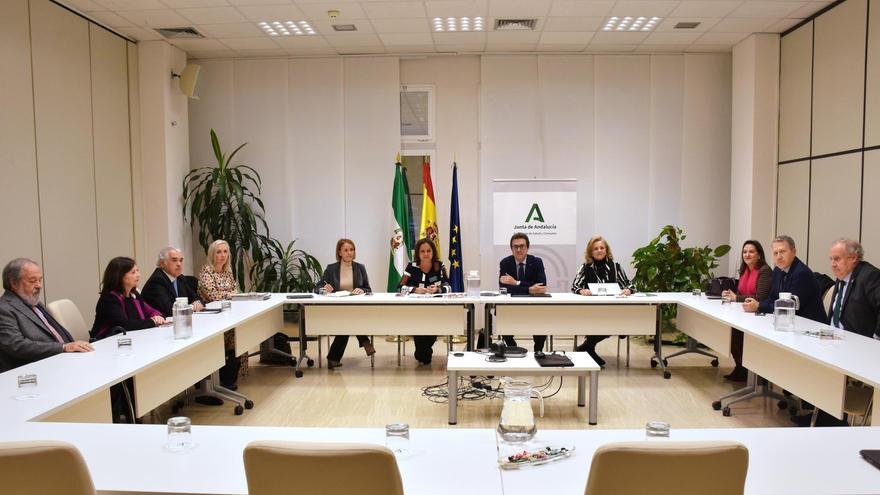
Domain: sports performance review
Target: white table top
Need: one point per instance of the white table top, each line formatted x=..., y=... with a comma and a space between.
x=856, y=356
x=570, y=298
x=781, y=460
x=476, y=361
x=385, y=298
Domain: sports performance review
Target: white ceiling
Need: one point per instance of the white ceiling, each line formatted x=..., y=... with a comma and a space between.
x=230, y=26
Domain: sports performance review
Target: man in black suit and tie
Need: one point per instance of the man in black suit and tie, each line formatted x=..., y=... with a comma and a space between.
x=855, y=305
x=522, y=273
x=167, y=283
x=28, y=332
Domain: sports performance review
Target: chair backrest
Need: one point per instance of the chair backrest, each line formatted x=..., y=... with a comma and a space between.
x=66, y=312
x=826, y=299
x=320, y=468
x=44, y=467
x=683, y=468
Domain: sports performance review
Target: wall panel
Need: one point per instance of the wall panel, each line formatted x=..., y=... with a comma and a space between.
x=835, y=200
x=871, y=207
x=112, y=148
x=792, y=209
x=18, y=162
x=795, y=80
x=65, y=161
x=372, y=139
x=872, y=101
x=838, y=78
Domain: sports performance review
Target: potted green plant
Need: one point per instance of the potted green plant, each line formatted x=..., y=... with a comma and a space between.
x=223, y=202
x=284, y=268
x=663, y=265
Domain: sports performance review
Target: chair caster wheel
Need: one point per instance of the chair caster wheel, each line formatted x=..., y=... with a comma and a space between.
x=714, y=363
x=653, y=363
x=239, y=410
x=665, y=362
x=248, y=404
x=716, y=405
x=667, y=375
x=298, y=373
x=725, y=411
x=310, y=363
x=292, y=362
x=782, y=405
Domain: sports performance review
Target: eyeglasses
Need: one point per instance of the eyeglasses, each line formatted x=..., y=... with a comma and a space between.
x=519, y=246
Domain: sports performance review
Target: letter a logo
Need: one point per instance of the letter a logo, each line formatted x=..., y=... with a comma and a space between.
x=535, y=212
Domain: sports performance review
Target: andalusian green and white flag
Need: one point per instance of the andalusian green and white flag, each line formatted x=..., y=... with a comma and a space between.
x=401, y=243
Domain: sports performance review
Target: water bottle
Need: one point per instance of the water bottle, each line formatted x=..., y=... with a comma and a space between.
x=783, y=312
x=473, y=283
x=183, y=318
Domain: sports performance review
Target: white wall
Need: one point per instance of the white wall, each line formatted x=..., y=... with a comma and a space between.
x=754, y=141
x=648, y=135
x=164, y=144
x=322, y=133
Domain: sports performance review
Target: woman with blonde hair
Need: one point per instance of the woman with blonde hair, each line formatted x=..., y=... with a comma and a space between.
x=216, y=282
x=599, y=268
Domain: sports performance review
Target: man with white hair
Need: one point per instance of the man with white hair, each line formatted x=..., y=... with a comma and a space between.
x=167, y=283
x=855, y=304
x=28, y=332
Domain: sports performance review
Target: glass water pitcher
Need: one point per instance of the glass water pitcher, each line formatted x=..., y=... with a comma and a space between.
x=517, y=422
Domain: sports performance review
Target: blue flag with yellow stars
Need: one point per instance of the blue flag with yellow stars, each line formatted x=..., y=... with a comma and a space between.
x=456, y=271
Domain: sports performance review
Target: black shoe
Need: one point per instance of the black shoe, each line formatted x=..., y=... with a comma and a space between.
x=597, y=358
x=209, y=400
x=803, y=419
x=739, y=374
x=583, y=347
x=230, y=386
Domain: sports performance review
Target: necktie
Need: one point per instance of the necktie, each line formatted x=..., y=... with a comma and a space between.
x=838, y=303
x=49, y=326
x=175, y=287
x=521, y=272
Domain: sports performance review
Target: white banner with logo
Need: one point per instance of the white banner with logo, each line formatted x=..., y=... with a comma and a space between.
x=546, y=211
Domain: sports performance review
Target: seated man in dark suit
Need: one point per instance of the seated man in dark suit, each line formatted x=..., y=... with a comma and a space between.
x=522, y=273
x=790, y=275
x=167, y=284
x=27, y=331
x=855, y=305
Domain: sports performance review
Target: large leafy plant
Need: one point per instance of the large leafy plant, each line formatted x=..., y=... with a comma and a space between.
x=284, y=268
x=223, y=202
x=665, y=266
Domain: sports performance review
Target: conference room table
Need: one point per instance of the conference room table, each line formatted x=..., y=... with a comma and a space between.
x=72, y=404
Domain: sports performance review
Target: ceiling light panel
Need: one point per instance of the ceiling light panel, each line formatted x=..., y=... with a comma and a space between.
x=456, y=24
x=287, y=28
x=631, y=24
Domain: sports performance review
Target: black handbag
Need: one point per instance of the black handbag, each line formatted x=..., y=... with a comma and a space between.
x=714, y=287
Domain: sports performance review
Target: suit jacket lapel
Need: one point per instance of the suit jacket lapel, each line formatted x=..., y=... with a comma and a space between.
x=23, y=308
x=849, y=289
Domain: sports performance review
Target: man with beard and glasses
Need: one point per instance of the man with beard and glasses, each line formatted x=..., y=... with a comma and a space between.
x=28, y=332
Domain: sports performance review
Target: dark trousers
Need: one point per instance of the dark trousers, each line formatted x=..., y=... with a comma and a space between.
x=229, y=371
x=539, y=341
x=424, y=347
x=736, y=347
x=337, y=348
x=590, y=343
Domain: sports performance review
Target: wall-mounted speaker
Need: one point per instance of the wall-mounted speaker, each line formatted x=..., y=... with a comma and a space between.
x=188, y=78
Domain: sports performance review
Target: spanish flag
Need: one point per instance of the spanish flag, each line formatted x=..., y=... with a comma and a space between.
x=429, y=229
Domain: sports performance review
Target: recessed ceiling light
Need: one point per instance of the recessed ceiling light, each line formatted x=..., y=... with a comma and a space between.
x=630, y=23
x=453, y=24
x=285, y=28
x=344, y=27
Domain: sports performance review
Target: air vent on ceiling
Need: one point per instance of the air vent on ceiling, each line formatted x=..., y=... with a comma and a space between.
x=515, y=24
x=686, y=25
x=180, y=32
x=344, y=27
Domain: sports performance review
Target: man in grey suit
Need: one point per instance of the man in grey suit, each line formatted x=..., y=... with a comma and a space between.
x=27, y=331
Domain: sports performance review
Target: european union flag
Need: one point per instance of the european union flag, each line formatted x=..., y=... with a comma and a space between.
x=456, y=271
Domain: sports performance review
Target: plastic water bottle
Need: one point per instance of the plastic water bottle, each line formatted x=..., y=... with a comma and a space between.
x=783, y=312
x=183, y=318
x=473, y=283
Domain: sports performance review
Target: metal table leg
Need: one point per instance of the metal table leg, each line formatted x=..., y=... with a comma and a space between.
x=452, y=391
x=582, y=390
x=594, y=397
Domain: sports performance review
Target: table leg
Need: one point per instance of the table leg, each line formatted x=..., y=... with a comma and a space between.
x=453, y=397
x=303, y=342
x=470, y=327
x=594, y=397
x=582, y=390
x=487, y=325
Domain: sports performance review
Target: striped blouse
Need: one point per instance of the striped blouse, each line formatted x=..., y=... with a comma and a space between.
x=601, y=272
